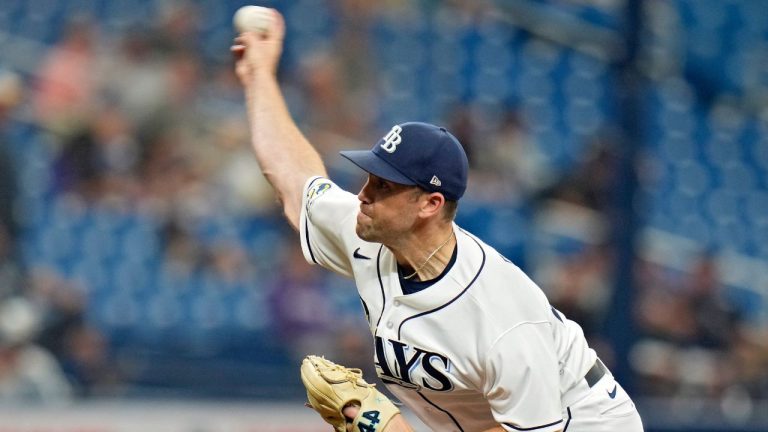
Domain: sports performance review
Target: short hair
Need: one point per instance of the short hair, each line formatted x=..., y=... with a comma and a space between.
x=449, y=210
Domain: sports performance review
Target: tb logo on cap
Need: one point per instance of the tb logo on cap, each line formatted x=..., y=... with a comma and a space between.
x=392, y=139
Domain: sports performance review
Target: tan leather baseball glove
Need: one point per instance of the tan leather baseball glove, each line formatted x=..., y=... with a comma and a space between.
x=331, y=387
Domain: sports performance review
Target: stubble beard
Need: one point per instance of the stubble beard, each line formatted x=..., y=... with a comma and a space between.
x=380, y=231
x=366, y=232
x=372, y=232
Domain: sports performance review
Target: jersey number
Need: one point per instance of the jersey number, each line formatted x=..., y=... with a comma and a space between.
x=373, y=418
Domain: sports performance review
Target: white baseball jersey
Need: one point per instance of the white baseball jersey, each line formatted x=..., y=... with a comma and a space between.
x=481, y=346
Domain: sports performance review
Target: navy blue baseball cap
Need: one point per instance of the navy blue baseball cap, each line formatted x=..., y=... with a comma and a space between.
x=418, y=154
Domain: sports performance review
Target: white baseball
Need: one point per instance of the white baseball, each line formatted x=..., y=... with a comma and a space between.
x=252, y=19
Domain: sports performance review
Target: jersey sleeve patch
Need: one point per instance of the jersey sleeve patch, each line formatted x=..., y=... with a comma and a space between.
x=327, y=225
x=320, y=187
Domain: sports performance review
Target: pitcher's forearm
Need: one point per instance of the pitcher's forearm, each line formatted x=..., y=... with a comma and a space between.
x=286, y=158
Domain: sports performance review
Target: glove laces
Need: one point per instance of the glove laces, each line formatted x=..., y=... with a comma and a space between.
x=354, y=375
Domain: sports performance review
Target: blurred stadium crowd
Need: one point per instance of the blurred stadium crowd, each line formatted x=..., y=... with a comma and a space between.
x=142, y=252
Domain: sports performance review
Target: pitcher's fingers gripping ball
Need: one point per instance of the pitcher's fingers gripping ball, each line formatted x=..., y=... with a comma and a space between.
x=331, y=387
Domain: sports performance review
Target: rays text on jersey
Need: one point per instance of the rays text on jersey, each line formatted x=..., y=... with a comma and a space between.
x=412, y=367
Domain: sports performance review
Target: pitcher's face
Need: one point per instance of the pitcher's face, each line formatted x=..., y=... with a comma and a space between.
x=387, y=210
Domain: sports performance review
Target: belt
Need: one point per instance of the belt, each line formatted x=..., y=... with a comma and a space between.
x=597, y=371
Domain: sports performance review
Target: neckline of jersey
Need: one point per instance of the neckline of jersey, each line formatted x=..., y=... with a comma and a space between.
x=410, y=286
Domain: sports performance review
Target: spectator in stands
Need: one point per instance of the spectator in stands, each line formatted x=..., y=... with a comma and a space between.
x=28, y=372
x=694, y=341
x=330, y=110
x=462, y=123
x=227, y=266
x=748, y=361
x=87, y=363
x=687, y=307
x=10, y=263
x=66, y=88
x=100, y=161
x=63, y=331
x=715, y=320
x=177, y=27
x=302, y=309
x=579, y=285
x=136, y=79
x=591, y=183
x=509, y=161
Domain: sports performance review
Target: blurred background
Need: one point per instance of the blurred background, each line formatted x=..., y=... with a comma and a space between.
x=619, y=155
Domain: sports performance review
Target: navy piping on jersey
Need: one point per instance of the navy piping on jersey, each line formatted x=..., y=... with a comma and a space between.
x=306, y=225
x=381, y=285
x=546, y=425
x=542, y=426
x=442, y=410
x=482, y=264
x=365, y=309
x=309, y=246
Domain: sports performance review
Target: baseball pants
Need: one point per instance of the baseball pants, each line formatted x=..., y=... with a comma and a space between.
x=604, y=407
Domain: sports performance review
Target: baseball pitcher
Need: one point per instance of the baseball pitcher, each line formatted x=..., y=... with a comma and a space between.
x=462, y=336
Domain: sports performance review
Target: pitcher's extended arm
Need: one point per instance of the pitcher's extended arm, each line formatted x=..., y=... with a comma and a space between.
x=286, y=158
